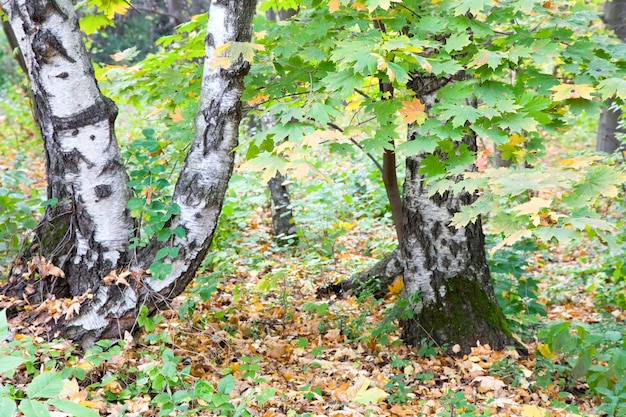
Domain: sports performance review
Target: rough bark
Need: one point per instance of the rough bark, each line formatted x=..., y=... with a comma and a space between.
x=200, y=189
x=283, y=222
x=614, y=15
x=447, y=268
x=87, y=232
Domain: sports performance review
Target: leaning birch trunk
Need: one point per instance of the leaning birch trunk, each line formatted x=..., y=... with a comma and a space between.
x=447, y=269
x=87, y=232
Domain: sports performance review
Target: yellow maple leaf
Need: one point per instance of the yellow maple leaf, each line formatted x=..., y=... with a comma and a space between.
x=533, y=206
x=565, y=91
x=220, y=49
x=121, y=7
x=545, y=351
x=413, y=111
x=223, y=62
x=333, y=6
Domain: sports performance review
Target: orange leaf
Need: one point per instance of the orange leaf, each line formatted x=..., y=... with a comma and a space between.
x=396, y=286
x=413, y=111
x=177, y=115
x=333, y=6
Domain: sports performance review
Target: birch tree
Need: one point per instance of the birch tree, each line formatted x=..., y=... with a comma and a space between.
x=80, y=247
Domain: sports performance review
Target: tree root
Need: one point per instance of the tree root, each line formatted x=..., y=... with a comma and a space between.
x=374, y=280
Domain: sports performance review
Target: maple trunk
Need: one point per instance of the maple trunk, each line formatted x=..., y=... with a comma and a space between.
x=614, y=15
x=447, y=269
x=87, y=231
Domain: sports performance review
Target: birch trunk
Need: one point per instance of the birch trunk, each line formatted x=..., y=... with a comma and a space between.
x=87, y=232
x=448, y=269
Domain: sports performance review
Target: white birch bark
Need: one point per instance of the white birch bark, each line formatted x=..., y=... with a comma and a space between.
x=84, y=167
x=86, y=174
x=202, y=184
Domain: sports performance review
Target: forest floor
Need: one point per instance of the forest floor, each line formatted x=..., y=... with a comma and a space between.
x=268, y=346
x=291, y=353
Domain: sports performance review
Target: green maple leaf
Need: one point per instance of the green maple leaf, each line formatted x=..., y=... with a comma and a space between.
x=612, y=87
x=343, y=81
x=460, y=114
x=456, y=42
x=485, y=57
x=472, y=6
x=432, y=167
x=383, y=4
x=601, y=180
x=460, y=160
x=519, y=122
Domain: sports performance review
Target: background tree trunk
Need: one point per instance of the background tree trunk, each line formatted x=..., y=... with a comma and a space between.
x=448, y=269
x=283, y=221
x=614, y=15
x=87, y=232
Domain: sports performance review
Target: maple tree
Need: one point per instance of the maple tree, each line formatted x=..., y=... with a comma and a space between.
x=454, y=72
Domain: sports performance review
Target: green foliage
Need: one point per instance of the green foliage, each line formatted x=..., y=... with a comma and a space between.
x=516, y=290
x=596, y=354
x=19, y=205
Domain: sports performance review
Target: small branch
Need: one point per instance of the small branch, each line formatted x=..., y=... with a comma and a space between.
x=358, y=145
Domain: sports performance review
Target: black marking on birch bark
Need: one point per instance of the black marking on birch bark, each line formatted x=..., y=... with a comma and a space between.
x=100, y=111
x=111, y=165
x=39, y=11
x=209, y=41
x=46, y=46
x=62, y=75
x=102, y=191
x=214, y=129
x=72, y=160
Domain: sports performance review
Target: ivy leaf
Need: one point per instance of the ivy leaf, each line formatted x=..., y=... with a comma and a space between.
x=32, y=408
x=46, y=385
x=7, y=407
x=73, y=408
x=4, y=326
x=226, y=385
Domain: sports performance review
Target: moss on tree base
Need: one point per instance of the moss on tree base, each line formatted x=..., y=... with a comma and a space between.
x=466, y=315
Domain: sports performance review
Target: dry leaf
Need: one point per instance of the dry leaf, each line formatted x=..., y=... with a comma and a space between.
x=413, y=111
